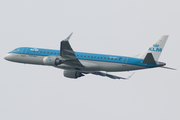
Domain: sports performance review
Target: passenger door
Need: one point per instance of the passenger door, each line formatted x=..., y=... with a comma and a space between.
x=23, y=52
x=124, y=61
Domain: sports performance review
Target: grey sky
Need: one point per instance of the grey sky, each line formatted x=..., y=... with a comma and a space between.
x=31, y=92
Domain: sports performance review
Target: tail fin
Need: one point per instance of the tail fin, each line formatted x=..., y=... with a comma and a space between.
x=155, y=49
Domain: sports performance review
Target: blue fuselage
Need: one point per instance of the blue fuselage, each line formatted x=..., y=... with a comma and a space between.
x=104, y=62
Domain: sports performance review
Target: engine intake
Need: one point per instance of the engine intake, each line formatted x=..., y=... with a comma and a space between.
x=72, y=74
x=53, y=61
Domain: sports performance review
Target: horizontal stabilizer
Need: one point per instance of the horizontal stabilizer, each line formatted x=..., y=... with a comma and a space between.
x=169, y=68
x=149, y=59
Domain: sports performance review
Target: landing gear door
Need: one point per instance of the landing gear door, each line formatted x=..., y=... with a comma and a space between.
x=23, y=52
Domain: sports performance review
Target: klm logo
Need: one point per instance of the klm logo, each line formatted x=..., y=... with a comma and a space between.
x=156, y=45
x=48, y=59
x=155, y=48
x=34, y=49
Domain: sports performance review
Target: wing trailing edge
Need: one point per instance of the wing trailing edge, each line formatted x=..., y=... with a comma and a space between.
x=111, y=76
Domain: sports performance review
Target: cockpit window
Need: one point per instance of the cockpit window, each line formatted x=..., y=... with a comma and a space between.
x=15, y=50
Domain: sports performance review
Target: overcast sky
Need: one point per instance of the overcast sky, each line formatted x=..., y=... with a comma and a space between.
x=116, y=27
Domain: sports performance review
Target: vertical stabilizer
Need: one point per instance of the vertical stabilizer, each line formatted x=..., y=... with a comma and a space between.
x=156, y=48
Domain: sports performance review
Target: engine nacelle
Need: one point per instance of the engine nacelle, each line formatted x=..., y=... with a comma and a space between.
x=72, y=74
x=53, y=61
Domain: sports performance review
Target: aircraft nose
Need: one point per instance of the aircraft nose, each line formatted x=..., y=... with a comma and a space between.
x=6, y=57
x=9, y=57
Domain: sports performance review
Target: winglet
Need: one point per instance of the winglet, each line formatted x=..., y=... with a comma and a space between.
x=130, y=76
x=69, y=37
x=169, y=68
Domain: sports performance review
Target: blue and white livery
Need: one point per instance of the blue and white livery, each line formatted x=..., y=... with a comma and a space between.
x=77, y=64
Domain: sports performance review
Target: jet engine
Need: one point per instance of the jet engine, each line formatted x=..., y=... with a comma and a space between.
x=72, y=74
x=53, y=61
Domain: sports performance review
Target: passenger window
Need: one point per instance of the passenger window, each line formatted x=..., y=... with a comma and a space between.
x=101, y=57
x=98, y=57
x=91, y=56
x=104, y=58
x=84, y=56
x=77, y=55
x=111, y=58
x=41, y=52
x=58, y=53
x=47, y=52
x=51, y=52
x=88, y=56
x=81, y=55
x=44, y=52
x=37, y=51
x=95, y=57
x=54, y=53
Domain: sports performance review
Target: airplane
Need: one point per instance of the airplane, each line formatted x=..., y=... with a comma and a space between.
x=78, y=64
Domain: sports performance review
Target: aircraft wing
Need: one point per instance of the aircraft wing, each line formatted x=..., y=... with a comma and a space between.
x=67, y=53
x=110, y=76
